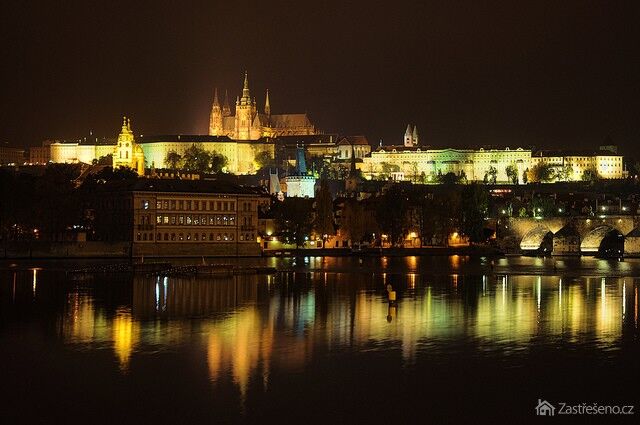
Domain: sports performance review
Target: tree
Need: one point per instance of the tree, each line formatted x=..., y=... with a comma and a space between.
x=392, y=214
x=293, y=219
x=542, y=172
x=173, y=160
x=525, y=176
x=512, y=173
x=475, y=204
x=590, y=175
x=196, y=158
x=264, y=160
x=565, y=173
x=449, y=178
x=323, y=222
x=492, y=174
x=218, y=162
x=353, y=220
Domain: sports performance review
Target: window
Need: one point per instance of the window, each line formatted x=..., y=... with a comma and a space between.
x=173, y=205
x=139, y=236
x=241, y=237
x=181, y=219
x=188, y=205
x=218, y=206
x=231, y=237
x=210, y=236
x=158, y=205
x=145, y=204
x=188, y=220
x=196, y=205
x=144, y=236
x=166, y=236
x=195, y=236
x=226, y=237
x=180, y=205
x=225, y=205
x=218, y=236
x=166, y=205
x=158, y=219
x=173, y=236
x=165, y=219
x=196, y=219
x=204, y=237
x=211, y=220
x=232, y=220
x=218, y=222
x=180, y=237
x=173, y=220
x=232, y=206
x=159, y=236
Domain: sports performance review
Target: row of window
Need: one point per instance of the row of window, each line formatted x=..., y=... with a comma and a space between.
x=192, y=205
x=196, y=220
x=192, y=237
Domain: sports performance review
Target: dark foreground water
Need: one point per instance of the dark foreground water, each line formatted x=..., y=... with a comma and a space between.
x=319, y=343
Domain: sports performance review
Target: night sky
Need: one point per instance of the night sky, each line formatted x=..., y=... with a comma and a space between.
x=558, y=74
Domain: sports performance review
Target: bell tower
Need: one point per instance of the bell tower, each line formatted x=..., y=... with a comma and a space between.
x=244, y=112
x=215, y=120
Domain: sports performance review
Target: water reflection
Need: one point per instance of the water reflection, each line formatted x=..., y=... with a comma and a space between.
x=246, y=328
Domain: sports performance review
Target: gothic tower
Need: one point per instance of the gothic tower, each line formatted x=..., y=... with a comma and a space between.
x=408, y=136
x=226, y=110
x=267, y=106
x=215, y=120
x=415, y=135
x=245, y=108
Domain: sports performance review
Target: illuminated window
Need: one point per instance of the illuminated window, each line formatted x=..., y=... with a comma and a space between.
x=196, y=219
x=181, y=237
x=158, y=205
x=165, y=219
x=218, y=236
x=145, y=204
x=188, y=220
x=195, y=236
x=211, y=220
x=173, y=219
x=158, y=219
x=204, y=237
x=241, y=237
x=181, y=219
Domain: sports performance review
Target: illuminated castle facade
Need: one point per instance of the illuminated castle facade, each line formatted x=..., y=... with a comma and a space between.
x=250, y=124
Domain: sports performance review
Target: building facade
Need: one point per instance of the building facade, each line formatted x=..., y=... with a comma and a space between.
x=182, y=218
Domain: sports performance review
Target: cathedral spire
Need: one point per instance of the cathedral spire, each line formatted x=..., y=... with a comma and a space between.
x=246, y=95
x=267, y=107
x=216, y=102
x=226, y=109
x=408, y=136
x=415, y=135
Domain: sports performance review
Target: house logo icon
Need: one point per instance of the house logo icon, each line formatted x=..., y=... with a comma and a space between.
x=544, y=408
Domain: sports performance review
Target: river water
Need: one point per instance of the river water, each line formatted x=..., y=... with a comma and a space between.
x=469, y=339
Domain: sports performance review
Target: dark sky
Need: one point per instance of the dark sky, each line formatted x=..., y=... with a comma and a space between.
x=517, y=73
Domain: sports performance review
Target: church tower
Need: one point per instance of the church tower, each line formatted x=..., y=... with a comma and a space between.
x=215, y=120
x=226, y=110
x=245, y=108
x=267, y=106
x=408, y=136
x=415, y=135
x=127, y=153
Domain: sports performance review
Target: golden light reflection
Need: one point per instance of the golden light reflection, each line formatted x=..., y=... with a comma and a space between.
x=126, y=334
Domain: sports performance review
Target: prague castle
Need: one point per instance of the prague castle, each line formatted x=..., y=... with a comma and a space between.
x=244, y=133
x=249, y=124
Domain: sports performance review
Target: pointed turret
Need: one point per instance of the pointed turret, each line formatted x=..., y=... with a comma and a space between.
x=246, y=94
x=408, y=136
x=215, y=97
x=226, y=109
x=267, y=106
x=353, y=160
x=415, y=135
x=215, y=119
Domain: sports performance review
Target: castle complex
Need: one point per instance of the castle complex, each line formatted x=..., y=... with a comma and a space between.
x=249, y=124
x=244, y=133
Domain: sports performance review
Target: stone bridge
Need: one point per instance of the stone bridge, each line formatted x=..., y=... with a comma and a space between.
x=610, y=235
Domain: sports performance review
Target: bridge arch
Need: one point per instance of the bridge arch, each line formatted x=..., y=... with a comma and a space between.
x=603, y=240
x=537, y=240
